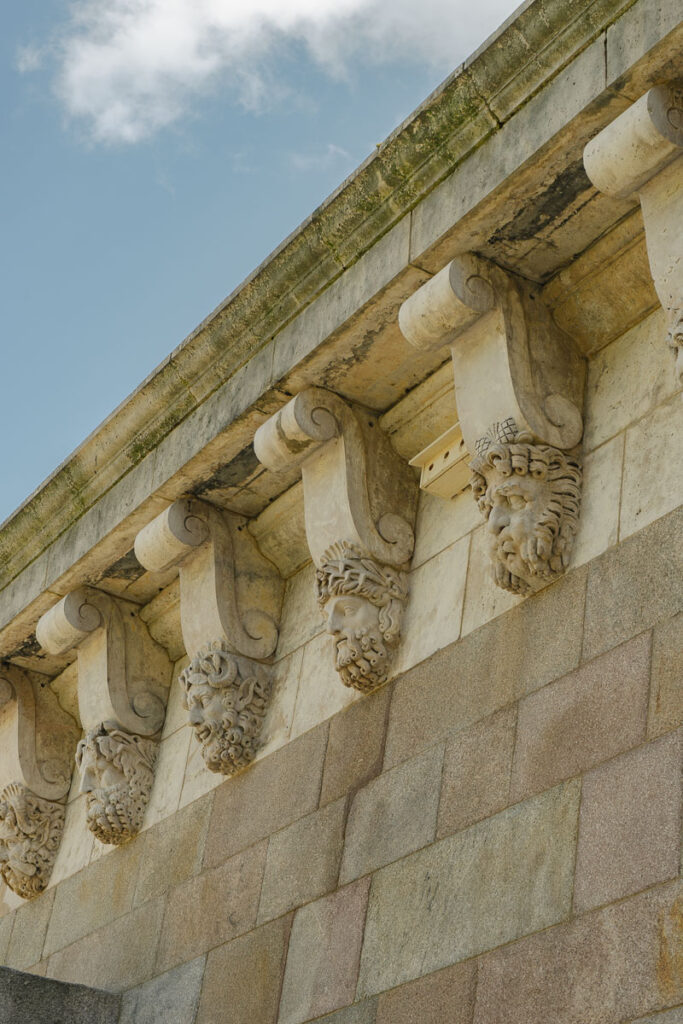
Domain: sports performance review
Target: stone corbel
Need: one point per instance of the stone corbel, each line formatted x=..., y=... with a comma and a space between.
x=230, y=603
x=519, y=384
x=360, y=500
x=123, y=679
x=37, y=741
x=641, y=153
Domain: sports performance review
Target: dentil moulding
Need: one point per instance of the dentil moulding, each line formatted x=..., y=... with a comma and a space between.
x=641, y=153
x=37, y=741
x=360, y=500
x=519, y=384
x=230, y=604
x=123, y=679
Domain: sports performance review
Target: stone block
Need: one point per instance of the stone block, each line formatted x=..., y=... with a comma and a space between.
x=170, y=998
x=355, y=748
x=483, y=599
x=27, y=999
x=627, y=379
x=324, y=949
x=440, y=522
x=476, y=772
x=75, y=849
x=586, y=717
x=28, y=935
x=508, y=657
x=303, y=861
x=393, y=815
x=653, y=467
x=666, y=699
x=6, y=925
x=169, y=777
x=634, y=586
x=116, y=957
x=301, y=617
x=173, y=850
x=498, y=880
x=277, y=726
x=321, y=693
x=446, y=995
x=604, y=967
x=434, y=609
x=630, y=823
x=243, y=978
x=212, y=908
x=268, y=796
x=198, y=781
x=95, y=896
x=674, y=1016
x=637, y=31
x=600, y=497
x=360, y=1013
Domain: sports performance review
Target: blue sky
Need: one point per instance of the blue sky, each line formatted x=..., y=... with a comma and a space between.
x=153, y=153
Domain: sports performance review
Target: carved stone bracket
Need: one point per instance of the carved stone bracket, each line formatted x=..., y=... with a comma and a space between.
x=37, y=740
x=123, y=679
x=230, y=604
x=519, y=384
x=641, y=152
x=360, y=500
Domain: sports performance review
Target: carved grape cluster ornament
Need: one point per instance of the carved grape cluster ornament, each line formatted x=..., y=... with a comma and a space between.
x=30, y=833
x=227, y=698
x=530, y=496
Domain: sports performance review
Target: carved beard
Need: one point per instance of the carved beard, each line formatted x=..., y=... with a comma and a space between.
x=362, y=659
x=535, y=565
x=115, y=814
x=19, y=868
x=225, y=749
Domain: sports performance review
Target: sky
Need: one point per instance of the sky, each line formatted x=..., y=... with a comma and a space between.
x=153, y=153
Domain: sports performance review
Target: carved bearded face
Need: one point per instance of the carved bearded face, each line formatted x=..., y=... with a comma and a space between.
x=30, y=831
x=117, y=772
x=517, y=505
x=361, y=652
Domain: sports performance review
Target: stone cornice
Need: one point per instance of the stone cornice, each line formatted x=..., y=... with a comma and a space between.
x=475, y=101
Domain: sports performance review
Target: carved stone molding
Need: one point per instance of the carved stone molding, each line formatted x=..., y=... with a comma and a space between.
x=519, y=384
x=226, y=697
x=230, y=604
x=641, y=152
x=123, y=679
x=37, y=740
x=360, y=501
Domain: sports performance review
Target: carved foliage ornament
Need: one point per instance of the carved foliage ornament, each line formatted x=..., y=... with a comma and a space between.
x=364, y=604
x=227, y=698
x=30, y=833
x=530, y=496
x=117, y=774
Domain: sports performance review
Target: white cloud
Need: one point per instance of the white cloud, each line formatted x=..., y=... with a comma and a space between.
x=330, y=156
x=130, y=67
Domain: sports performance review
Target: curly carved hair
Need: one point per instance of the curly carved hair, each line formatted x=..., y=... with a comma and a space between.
x=133, y=755
x=562, y=470
x=346, y=571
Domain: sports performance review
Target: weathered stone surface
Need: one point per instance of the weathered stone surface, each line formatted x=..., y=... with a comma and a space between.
x=506, y=658
x=28, y=934
x=6, y=925
x=484, y=601
x=634, y=586
x=583, y=719
x=604, y=967
x=320, y=693
x=212, y=908
x=393, y=815
x=653, y=467
x=273, y=793
x=32, y=1000
x=599, y=522
x=243, y=978
x=472, y=891
x=440, y=523
x=360, y=1013
x=116, y=957
x=303, y=861
x=177, y=843
x=476, y=772
x=324, y=949
x=171, y=998
x=356, y=745
x=96, y=895
x=446, y=995
x=666, y=701
x=630, y=822
x=674, y=1016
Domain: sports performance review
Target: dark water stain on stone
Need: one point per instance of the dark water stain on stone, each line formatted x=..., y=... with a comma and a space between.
x=126, y=568
x=545, y=207
x=233, y=474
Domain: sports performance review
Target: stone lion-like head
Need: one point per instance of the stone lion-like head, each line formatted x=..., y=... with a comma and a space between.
x=30, y=833
x=364, y=603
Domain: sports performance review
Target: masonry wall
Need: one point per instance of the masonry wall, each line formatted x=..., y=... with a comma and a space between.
x=495, y=833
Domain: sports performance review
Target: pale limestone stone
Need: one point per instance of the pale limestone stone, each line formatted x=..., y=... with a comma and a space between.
x=503, y=878
x=169, y=777
x=433, y=615
x=626, y=380
x=319, y=694
x=440, y=523
x=198, y=780
x=301, y=618
x=277, y=727
x=601, y=493
x=176, y=713
x=653, y=467
x=483, y=599
x=77, y=843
